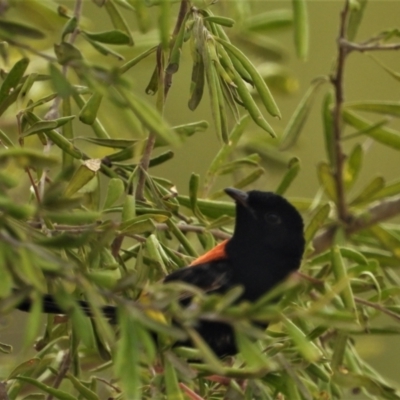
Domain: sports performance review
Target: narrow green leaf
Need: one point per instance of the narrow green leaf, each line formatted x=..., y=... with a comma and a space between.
x=306, y=347
x=388, y=239
x=258, y=81
x=118, y=20
x=186, y=244
x=164, y=22
x=89, y=111
x=57, y=393
x=13, y=78
x=341, y=276
x=209, y=208
x=317, y=222
x=48, y=125
x=290, y=175
x=81, y=388
x=355, y=18
x=171, y=381
x=82, y=176
x=26, y=157
x=326, y=179
x=127, y=358
x=176, y=51
x=386, y=136
x=300, y=22
x=69, y=27
x=150, y=117
x=102, y=49
x=66, y=53
x=61, y=85
x=380, y=107
x=299, y=117
x=115, y=37
x=129, y=64
x=250, y=351
x=328, y=126
x=367, y=193
x=206, y=353
x=269, y=20
x=392, y=73
x=224, y=21
x=17, y=28
x=352, y=166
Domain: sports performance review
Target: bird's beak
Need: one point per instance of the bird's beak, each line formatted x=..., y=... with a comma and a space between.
x=238, y=195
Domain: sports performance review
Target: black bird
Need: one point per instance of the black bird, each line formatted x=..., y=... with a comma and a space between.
x=266, y=246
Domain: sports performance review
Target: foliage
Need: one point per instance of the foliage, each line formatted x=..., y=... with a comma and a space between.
x=105, y=229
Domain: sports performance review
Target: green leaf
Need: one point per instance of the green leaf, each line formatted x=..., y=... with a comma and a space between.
x=258, y=81
x=61, y=85
x=355, y=18
x=150, y=117
x=341, y=276
x=316, y=222
x=12, y=79
x=118, y=20
x=83, y=390
x=25, y=157
x=66, y=53
x=380, y=107
x=327, y=107
x=290, y=175
x=352, y=166
x=115, y=37
x=266, y=21
x=171, y=381
x=224, y=21
x=299, y=117
x=210, y=208
x=82, y=176
x=17, y=28
x=326, y=179
x=89, y=111
x=115, y=189
x=386, y=136
x=48, y=125
x=367, y=193
x=306, y=347
x=300, y=21
x=57, y=393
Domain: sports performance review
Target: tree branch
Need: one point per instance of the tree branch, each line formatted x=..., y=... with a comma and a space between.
x=351, y=46
x=337, y=81
x=375, y=214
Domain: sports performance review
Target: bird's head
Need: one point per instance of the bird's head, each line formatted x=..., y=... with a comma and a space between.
x=267, y=219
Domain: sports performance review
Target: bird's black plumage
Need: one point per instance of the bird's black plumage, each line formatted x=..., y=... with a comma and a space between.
x=266, y=246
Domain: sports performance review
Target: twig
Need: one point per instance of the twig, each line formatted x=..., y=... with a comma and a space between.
x=377, y=307
x=196, y=229
x=375, y=214
x=337, y=82
x=350, y=46
x=64, y=367
x=24, y=46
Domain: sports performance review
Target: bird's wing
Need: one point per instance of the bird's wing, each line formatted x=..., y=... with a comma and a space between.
x=210, y=276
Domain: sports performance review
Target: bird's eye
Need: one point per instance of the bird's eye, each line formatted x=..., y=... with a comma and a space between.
x=273, y=218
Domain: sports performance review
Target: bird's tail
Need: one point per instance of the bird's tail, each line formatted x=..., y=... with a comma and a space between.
x=50, y=306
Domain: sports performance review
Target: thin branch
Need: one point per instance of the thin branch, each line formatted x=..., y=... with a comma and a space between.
x=337, y=82
x=64, y=367
x=350, y=46
x=374, y=215
x=378, y=307
x=24, y=46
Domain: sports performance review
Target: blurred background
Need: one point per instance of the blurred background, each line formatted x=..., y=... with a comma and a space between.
x=364, y=80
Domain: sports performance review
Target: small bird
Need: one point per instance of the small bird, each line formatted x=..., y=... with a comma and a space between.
x=266, y=246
